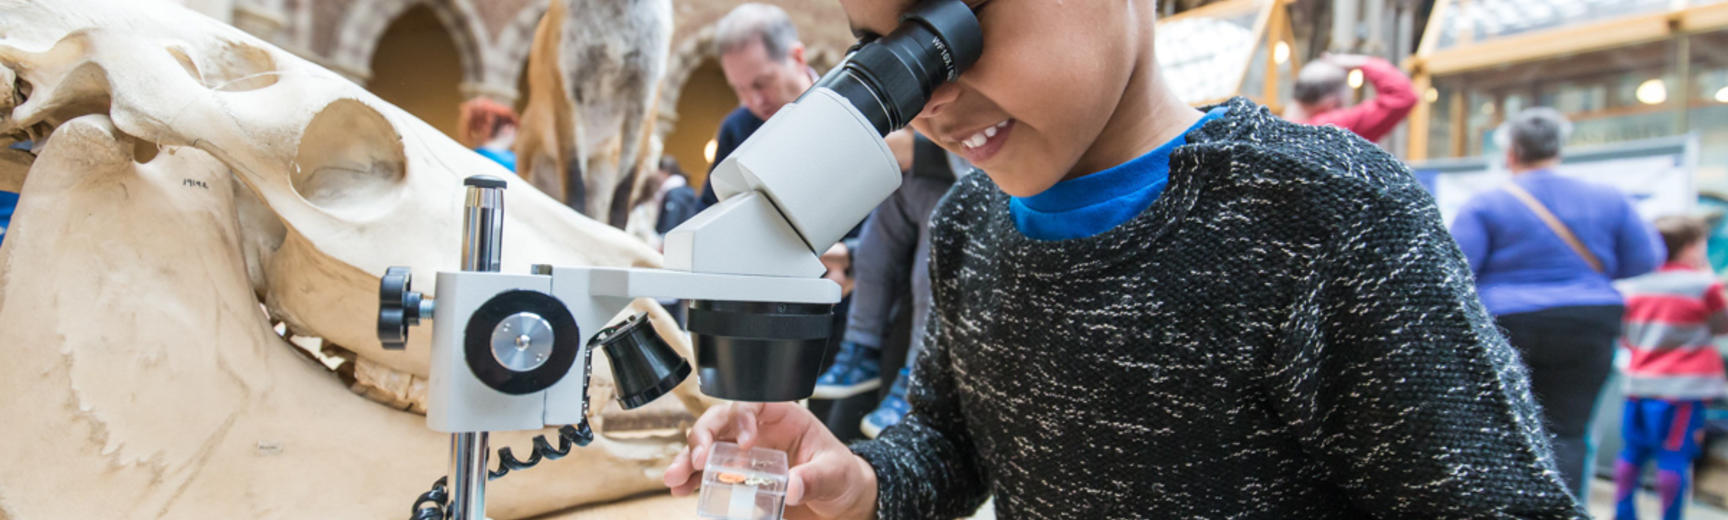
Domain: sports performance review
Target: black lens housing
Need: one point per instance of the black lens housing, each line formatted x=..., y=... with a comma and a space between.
x=759, y=351
x=644, y=367
x=889, y=80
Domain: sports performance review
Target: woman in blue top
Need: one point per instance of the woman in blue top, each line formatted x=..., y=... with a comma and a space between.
x=1559, y=310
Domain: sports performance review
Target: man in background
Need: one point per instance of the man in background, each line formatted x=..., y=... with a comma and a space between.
x=1323, y=95
x=764, y=63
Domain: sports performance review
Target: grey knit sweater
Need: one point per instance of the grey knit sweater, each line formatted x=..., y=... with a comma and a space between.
x=1287, y=333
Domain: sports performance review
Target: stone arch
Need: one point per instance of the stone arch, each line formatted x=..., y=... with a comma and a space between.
x=509, y=51
x=365, y=22
x=682, y=61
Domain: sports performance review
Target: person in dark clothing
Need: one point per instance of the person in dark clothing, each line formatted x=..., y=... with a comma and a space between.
x=663, y=201
x=1545, y=251
x=677, y=201
x=1144, y=310
x=737, y=127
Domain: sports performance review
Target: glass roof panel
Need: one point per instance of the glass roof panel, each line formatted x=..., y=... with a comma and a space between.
x=1471, y=21
x=1203, y=57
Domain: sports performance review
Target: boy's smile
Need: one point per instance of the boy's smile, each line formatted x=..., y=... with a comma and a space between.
x=979, y=146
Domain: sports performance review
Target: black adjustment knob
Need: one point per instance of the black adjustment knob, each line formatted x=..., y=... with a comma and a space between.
x=483, y=181
x=398, y=307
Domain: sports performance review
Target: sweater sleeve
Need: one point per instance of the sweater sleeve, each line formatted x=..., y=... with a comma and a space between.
x=927, y=466
x=1395, y=379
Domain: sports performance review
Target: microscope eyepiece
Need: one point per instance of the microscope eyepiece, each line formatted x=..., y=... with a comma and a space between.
x=891, y=78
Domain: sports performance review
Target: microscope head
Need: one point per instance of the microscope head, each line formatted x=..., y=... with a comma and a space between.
x=796, y=186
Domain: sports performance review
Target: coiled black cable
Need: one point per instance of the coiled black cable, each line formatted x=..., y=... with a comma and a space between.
x=568, y=437
x=438, y=497
x=434, y=503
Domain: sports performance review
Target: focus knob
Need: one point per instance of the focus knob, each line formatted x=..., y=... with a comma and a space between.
x=398, y=307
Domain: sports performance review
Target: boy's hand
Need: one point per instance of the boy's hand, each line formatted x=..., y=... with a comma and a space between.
x=826, y=480
x=838, y=260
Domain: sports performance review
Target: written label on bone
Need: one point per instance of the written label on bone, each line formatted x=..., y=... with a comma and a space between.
x=194, y=183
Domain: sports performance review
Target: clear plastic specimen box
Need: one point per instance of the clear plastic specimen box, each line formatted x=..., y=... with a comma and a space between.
x=743, y=485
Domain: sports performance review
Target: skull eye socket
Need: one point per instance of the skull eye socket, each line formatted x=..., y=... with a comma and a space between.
x=235, y=67
x=350, y=161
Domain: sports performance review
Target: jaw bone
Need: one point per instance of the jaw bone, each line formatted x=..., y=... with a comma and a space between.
x=131, y=289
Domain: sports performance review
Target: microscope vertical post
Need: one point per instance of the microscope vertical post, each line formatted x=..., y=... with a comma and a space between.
x=482, y=240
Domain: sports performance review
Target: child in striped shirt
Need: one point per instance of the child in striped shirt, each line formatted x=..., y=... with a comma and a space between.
x=1672, y=315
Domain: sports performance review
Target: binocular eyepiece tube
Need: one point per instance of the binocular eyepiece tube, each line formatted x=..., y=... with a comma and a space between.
x=890, y=79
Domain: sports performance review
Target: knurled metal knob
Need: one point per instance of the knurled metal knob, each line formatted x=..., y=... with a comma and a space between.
x=398, y=307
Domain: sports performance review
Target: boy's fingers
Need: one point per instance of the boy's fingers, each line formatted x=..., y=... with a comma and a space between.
x=744, y=424
x=720, y=423
x=687, y=487
x=679, y=471
x=794, y=488
x=703, y=433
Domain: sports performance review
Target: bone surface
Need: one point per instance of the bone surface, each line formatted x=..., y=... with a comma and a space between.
x=191, y=185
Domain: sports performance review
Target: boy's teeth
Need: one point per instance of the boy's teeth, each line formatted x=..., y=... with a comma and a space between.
x=984, y=135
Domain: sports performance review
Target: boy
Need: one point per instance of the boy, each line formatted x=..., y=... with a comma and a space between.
x=1146, y=310
x=1671, y=317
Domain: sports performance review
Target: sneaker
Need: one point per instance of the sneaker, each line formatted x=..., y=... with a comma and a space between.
x=892, y=409
x=856, y=370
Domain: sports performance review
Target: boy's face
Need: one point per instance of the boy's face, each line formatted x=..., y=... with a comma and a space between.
x=1034, y=105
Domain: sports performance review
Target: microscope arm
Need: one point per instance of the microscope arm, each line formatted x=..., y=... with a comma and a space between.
x=669, y=284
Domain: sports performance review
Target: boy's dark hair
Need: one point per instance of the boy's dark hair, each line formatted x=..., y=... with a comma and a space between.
x=1679, y=231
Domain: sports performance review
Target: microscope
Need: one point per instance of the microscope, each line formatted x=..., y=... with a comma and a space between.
x=512, y=351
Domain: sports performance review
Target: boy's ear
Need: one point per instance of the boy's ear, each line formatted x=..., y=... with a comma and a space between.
x=796, y=53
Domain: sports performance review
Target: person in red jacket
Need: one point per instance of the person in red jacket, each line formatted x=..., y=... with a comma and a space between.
x=1323, y=95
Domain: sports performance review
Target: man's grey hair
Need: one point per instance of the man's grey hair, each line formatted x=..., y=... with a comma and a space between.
x=1534, y=135
x=1319, y=80
x=754, y=22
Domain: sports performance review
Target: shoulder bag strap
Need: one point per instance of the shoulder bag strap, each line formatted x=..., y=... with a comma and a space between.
x=1555, y=224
